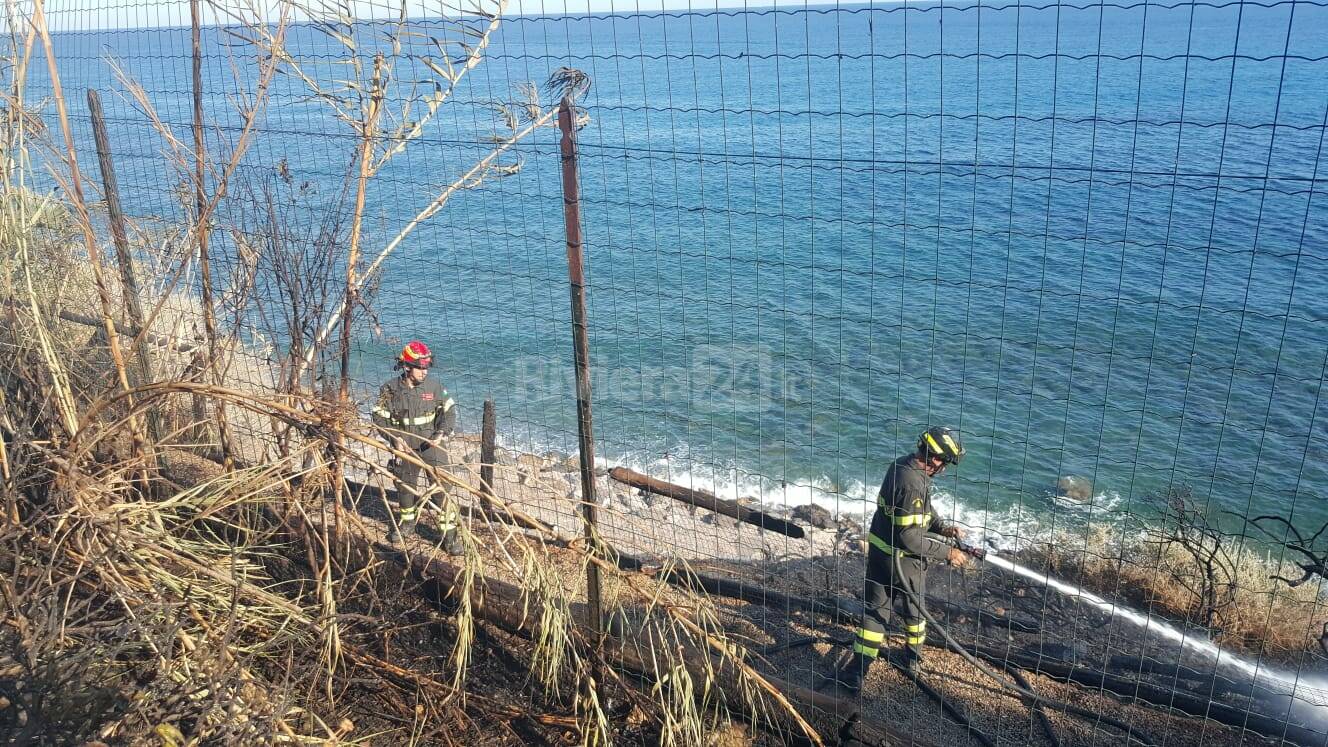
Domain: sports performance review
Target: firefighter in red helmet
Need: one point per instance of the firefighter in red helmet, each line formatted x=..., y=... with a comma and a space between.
x=416, y=412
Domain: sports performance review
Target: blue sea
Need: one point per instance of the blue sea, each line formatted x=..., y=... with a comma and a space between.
x=1093, y=237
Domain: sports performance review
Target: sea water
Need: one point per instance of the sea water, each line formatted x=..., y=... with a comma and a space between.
x=1091, y=236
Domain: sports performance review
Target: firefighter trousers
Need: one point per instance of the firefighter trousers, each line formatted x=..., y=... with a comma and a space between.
x=406, y=474
x=887, y=590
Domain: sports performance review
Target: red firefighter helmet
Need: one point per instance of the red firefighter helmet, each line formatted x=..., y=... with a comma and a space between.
x=415, y=355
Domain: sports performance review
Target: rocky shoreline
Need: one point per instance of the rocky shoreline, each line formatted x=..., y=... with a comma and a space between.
x=548, y=485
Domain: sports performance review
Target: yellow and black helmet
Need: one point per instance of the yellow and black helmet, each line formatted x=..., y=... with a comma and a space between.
x=941, y=442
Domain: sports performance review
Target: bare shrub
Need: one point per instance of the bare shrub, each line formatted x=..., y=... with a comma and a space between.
x=1185, y=567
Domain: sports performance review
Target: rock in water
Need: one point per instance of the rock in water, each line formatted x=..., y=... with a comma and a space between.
x=814, y=515
x=1075, y=488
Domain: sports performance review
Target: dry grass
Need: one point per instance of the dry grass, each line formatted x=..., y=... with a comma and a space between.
x=169, y=585
x=190, y=604
x=1155, y=571
x=153, y=597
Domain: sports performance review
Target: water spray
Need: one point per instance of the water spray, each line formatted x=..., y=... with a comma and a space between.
x=1308, y=699
x=1308, y=702
x=1029, y=696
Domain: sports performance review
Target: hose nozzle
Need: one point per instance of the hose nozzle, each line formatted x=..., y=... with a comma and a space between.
x=973, y=550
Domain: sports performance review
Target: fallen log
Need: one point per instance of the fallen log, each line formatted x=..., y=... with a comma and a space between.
x=1147, y=666
x=502, y=604
x=708, y=501
x=1180, y=700
x=946, y=705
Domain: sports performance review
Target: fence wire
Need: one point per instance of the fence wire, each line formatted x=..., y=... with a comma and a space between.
x=1091, y=237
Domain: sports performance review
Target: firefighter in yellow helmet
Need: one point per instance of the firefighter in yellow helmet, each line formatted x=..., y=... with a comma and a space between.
x=415, y=413
x=905, y=536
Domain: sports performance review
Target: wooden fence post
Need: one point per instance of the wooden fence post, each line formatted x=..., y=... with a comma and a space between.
x=128, y=280
x=488, y=447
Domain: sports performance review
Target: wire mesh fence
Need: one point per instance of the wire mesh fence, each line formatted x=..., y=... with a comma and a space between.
x=1090, y=237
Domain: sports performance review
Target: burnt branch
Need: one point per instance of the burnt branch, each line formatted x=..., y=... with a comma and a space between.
x=1210, y=576
x=1315, y=562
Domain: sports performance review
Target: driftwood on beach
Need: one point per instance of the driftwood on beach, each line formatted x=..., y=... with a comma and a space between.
x=706, y=500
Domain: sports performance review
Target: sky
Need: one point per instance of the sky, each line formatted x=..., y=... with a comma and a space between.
x=72, y=15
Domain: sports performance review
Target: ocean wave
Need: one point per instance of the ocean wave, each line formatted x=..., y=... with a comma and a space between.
x=850, y=498
x=1039, y=517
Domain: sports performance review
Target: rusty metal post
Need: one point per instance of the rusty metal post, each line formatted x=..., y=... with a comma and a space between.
x=488, y=447
x=581, y=356
x=128, y=280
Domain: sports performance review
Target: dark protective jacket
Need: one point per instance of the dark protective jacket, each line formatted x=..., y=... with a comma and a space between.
x=415, y=413
x=904, y=521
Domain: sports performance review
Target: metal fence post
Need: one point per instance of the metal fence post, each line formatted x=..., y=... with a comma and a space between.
x=581, y=356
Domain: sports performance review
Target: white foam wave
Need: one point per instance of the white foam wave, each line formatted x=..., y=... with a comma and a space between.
x=1013, y=527
x=850, y=498
x=1006, y=528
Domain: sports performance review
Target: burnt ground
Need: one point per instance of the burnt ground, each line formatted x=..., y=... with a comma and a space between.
x=1116, y=669
x=1021, y=619
x=1121, y=671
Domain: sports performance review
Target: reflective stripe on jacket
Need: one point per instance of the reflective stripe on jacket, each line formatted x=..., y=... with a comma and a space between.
x=425, y=410
x=904, y=522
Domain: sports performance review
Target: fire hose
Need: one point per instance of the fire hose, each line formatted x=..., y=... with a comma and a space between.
x=1029, y=696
